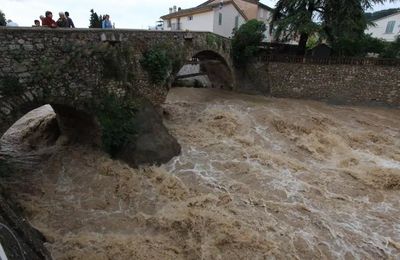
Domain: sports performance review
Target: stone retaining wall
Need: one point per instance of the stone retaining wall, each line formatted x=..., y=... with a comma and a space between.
x=350, y=84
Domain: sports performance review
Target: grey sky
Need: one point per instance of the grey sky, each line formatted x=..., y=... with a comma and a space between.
x=138, y=14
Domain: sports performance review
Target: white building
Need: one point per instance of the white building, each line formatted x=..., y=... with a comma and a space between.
x=386, y=28
x=217, y=16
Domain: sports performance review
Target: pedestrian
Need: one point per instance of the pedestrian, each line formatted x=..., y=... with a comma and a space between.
x=48, y=20
x=10, y=23
x=62, y=21
x=70, y=22
x=36, y=23
x=106, y=22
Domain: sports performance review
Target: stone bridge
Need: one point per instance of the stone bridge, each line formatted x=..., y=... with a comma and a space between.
x=91, y=74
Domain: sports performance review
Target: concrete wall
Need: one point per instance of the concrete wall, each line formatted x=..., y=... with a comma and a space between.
x=378, y=31
x=352, y=84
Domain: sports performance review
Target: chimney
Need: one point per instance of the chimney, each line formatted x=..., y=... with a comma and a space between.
x=174, y=8
x=170, y=10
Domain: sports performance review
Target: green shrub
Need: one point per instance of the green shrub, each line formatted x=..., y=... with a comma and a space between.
x=117, y=120
x=392, y=50
x=246, y=42
x=157, y=63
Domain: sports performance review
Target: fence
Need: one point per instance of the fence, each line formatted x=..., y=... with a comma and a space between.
x=329, y=61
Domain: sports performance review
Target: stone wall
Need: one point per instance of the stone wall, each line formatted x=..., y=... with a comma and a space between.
x=350, y=84
x=74, y=67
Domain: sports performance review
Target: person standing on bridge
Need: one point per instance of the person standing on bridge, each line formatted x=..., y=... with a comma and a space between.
x=106, y=22
x=48, y=20
x=70, y=22
x=62, y=21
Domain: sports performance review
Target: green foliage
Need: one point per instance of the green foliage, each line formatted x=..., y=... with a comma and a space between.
x=2, y=19
x=366, y=44
x=118, y=63
x=340, y=21
x=213, y=40
x=294, y=17
x=117, y=120
x=95, y=20
x=158, y=64
x=246, y=42
x=392, y=50
x=10, y=86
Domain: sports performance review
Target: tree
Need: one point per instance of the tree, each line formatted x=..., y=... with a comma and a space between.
x=296, y=17
x=95, y=20
x=246, y=41
x=2, y=19
x=336, y=20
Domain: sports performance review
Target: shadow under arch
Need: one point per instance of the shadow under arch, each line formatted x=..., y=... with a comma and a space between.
x=77, y=125
x=207, y=69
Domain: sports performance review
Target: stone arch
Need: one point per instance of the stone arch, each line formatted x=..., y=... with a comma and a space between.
x=75, y=122
x=216, y=65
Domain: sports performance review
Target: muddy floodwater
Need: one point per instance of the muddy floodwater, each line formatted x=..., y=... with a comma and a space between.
x=258, y=178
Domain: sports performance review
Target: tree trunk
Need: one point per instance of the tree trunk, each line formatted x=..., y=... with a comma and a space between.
x=302, y=44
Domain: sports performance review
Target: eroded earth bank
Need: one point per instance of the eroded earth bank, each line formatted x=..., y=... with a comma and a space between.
x=258, y=178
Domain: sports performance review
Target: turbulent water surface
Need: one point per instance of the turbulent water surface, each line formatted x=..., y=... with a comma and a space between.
x=258, y=178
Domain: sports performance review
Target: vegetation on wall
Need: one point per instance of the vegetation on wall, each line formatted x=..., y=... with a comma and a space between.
x=246, y=42
x=117, y=120
x=118, y=63
x=160, y=61
x=213, y=41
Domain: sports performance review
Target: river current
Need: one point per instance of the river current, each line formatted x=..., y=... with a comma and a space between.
x=258, y=178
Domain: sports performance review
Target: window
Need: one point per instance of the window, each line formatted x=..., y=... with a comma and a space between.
x=390, y=27
x=220, y=19
x=237, y=21
x=190, y=18
x=169, y=23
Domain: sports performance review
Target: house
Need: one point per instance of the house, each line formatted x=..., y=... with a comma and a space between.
x=217, y=16
x=386, y=28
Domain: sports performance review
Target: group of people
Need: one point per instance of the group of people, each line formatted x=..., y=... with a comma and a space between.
x=64, y=21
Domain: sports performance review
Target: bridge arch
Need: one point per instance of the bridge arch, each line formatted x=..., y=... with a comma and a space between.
x=75, y=122
x=210, y=67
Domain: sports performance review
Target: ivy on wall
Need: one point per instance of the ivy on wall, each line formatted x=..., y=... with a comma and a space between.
x=117, y=120
x=161, y=60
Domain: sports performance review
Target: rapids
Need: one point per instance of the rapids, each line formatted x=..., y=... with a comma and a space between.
x=258, y=178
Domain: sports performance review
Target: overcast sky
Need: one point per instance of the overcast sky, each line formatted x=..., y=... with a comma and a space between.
x=137, y=14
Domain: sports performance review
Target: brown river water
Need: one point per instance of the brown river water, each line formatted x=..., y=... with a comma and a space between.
x=258, y=178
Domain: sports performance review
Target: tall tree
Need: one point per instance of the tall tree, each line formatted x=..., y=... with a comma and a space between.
x=95, y=20
x=2, y=19
x=335, y=19
x=296, y=17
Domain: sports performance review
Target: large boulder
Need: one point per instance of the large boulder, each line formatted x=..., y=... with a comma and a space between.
x=153, y=144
